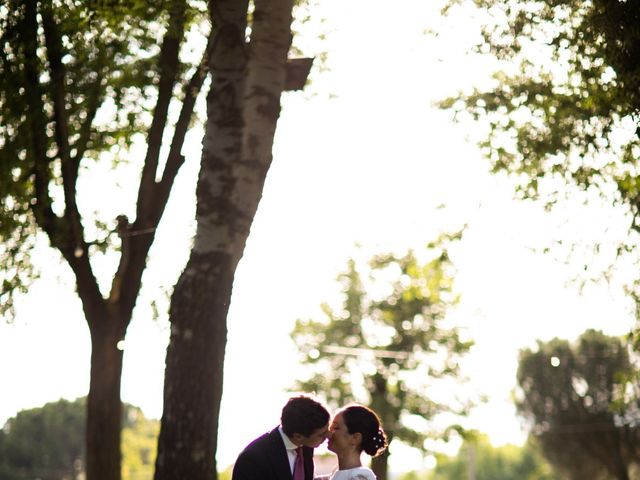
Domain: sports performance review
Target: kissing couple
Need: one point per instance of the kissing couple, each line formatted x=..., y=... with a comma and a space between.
x=286, y=452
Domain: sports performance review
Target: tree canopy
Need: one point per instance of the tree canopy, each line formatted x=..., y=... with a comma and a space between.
x=563, y=110
x=389, y=344
x=77, y=82
x=48, y=442
x=568, y=395
x=478, y=459
x=81, y=83
x=567, y=102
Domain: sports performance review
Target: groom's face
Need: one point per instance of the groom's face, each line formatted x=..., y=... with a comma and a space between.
x=316, y=438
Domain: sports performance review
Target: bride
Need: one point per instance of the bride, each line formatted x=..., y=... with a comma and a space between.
x=353, y=430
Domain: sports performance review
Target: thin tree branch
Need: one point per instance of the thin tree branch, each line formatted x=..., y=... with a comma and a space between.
x=93, y=102
x=57, y=72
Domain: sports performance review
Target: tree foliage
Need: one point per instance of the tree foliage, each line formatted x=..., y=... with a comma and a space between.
x=568, y=399
x=571, y=106
x=86, y=81
x=80, y=80
x=48, y=443
x=478, y=459
x=139, y=444
x=389, y=344
x=563, y=111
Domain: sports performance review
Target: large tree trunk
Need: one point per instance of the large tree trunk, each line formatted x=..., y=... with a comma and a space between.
x=193, y=376
x=380, y=465
x=243, y=108
x=104, y=408
x=389, y=415
x=109, y=317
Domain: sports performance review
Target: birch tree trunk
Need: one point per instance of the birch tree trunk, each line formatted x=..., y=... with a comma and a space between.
x=243, y=107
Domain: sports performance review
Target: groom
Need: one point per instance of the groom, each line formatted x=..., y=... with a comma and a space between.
x=286, y=452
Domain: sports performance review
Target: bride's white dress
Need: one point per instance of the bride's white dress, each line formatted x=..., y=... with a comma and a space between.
x=358, y=473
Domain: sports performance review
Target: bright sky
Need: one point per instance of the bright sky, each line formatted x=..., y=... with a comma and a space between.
x=366, y=160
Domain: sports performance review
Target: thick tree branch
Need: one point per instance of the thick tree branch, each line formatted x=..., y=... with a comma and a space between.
x=169, y=62
x=42, y=207
x=152, y=195
x=71, y=246
x=174, y=158
x=58, y=94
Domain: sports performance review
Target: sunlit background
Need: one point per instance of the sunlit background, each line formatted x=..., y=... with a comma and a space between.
x=363, y=163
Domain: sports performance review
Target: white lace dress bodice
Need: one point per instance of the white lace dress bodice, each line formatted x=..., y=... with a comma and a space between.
x=358, y=473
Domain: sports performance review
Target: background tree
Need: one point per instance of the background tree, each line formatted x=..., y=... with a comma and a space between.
x=81, y=82
x=478, y=459
x=389, y=345
x=48, y=443
x=567, y=399
x=32, y=447
x=139, y=444
x=563, y=112
x=243, y=106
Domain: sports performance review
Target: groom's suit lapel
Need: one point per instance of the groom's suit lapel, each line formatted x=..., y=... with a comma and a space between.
x=278, y=455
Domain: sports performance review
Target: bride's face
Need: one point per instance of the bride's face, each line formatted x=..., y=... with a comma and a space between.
x=340, y=440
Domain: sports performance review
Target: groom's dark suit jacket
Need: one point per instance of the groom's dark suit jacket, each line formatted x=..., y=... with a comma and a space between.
x=266, y=459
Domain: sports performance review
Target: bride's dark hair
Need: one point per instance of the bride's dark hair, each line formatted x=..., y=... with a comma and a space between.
x=363, y=420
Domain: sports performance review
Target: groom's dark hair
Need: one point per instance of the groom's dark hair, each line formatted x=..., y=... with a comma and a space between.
x=303, y=414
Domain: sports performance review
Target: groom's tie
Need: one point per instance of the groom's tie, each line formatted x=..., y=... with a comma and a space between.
x=298, y=467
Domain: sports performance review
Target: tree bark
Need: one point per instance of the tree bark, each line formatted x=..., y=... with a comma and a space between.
x=380, y=465
x=107, y=318
x=194, y=365
x=104, y=408
x=193, y=377
x=243, y=108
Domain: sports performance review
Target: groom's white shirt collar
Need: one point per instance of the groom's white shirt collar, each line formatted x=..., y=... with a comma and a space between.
x=290, y=446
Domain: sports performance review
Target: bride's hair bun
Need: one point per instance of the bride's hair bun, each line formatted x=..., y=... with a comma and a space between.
x=363, y=420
